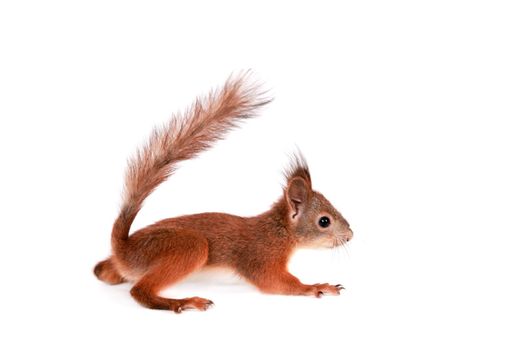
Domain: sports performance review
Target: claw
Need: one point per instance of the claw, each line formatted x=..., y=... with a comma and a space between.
x=320, y=294
x=339, y=286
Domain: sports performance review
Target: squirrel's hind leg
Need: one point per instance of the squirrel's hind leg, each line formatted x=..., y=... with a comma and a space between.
x=188, y=253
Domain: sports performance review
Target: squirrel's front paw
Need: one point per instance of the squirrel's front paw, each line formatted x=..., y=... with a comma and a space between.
x=320, y=289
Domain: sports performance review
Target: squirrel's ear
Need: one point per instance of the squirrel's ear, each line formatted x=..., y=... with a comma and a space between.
x=297, y=194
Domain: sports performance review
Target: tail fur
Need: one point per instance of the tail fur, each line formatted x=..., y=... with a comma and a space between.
x=183, y=137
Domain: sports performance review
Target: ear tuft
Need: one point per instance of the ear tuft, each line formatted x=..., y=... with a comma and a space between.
x=298, y=168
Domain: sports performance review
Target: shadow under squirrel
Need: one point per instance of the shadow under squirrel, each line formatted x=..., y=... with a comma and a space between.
x=257, y=248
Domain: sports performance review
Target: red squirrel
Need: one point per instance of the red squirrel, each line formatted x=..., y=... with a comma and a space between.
x=256, y=248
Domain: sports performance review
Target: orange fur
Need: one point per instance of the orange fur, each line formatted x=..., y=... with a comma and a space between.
x=257, y=248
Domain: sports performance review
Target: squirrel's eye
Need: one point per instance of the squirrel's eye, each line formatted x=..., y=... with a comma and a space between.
x=324, y=222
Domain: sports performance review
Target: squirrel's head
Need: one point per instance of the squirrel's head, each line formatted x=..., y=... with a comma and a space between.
x=311, y=216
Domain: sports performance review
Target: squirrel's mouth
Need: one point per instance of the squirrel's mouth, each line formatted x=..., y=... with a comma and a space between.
x=328, y=241
x=339, y=242
x=342, y=239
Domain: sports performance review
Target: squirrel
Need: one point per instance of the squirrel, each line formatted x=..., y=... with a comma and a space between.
x=256, y=248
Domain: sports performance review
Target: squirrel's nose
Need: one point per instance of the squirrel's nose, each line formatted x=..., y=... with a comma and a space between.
x=350, y=234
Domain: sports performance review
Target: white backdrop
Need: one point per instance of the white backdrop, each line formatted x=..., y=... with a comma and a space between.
x=410, y=114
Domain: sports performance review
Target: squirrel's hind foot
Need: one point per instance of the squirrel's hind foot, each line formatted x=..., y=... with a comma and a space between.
x=195, y=303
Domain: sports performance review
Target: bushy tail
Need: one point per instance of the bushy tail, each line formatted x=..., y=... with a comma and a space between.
x=205, y=122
